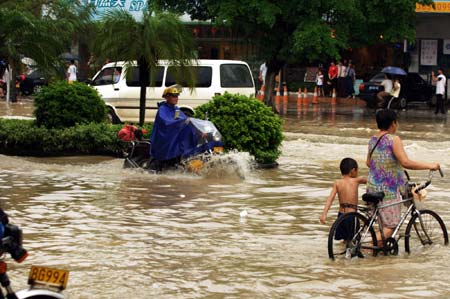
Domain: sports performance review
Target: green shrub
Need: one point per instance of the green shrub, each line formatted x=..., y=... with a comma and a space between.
x=24, y=137
x=246, y=125
x=63, y=105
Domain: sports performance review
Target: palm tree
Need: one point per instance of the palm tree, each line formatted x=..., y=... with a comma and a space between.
x=158, y=35
x=40, y=30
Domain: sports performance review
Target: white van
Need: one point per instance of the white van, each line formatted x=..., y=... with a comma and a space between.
x=120, y=89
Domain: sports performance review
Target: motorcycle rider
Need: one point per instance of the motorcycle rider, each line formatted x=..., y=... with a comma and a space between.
x=172, y=137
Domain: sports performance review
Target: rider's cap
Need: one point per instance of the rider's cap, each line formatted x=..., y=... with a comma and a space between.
x=174, y=89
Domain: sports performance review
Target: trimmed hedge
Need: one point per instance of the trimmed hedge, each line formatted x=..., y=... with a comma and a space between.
x=25, y=138
x=246, y=125
x=62, y=105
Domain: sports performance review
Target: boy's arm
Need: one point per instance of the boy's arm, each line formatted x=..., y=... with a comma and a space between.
x=330, y=199
x=362, y=180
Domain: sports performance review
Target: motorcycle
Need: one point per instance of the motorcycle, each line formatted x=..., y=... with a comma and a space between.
x=45, y=283
x=209, y=143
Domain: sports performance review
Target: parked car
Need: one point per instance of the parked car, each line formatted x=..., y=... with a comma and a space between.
x=413, y=89
x=31, y=83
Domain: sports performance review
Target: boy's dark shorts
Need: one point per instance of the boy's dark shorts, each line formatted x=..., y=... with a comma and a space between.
x=346, y=229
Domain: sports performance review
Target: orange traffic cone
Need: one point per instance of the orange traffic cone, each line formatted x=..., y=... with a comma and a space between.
x=299, y=107
x=315, y=101
x=299, y=96
x=260, y=95
x=333, y=97
x=285, y=99
x=277, y=98
x=305, y=97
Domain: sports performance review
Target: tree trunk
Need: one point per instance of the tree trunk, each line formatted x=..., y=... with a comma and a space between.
x=273, y=67
x=12, y=84
x=144, y=77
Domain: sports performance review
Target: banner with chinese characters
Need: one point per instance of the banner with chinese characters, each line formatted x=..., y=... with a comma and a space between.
x=446, y=47
x=428, y=52
x=135, y=7
x=439, y=6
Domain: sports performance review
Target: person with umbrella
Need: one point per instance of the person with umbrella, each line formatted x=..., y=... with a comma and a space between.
x=392, y=86
x=387, y=88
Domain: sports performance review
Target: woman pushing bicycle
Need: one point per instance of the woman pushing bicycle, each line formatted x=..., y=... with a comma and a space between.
x=386, y=159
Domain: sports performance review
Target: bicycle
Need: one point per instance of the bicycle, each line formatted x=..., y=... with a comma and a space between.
x=357, y=232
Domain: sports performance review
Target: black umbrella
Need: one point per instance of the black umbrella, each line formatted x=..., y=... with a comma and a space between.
x=393, y=70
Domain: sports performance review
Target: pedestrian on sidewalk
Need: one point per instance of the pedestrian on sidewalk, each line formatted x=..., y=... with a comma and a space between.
x=319, y=83
x=341, y=83
x=440, y=90
x=332, y=77
x=72, y=72
x=350, y=81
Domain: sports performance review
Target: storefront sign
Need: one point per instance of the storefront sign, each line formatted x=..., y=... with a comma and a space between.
x=446, y=47
x=439, y=6
x=135, y=7
x=428, y=52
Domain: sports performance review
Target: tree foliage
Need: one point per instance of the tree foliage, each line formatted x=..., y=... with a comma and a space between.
x=40, y=30
x=306, y=30
x=159, y=35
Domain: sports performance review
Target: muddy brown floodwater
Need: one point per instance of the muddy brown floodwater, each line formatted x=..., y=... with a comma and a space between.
x=131, y=234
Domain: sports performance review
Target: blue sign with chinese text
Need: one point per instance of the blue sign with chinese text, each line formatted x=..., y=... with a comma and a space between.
x=135, y=7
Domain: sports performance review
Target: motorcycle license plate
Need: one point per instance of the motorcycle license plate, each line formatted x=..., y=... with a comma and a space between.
x=48, y=276
x=218, y=149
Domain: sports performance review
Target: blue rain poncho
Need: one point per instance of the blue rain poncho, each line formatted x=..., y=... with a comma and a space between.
x=172, y=136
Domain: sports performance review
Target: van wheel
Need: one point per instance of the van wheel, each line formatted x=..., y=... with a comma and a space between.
x=37, y=89
x=112, y=117
x=403, y=103
x=433, y=101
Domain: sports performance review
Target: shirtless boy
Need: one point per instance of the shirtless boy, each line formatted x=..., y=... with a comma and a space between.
x=346, y=188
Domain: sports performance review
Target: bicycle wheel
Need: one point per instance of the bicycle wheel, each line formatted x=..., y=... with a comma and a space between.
x=351, y=236
x=431, y=231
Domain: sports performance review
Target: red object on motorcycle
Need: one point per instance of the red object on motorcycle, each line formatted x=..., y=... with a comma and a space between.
x=127, y=133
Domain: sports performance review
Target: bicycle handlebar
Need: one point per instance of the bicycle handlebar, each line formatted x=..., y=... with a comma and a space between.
x=425, y=184
x=422, y=186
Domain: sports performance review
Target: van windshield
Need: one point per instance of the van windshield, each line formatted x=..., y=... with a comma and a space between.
x=203, y=76
x=110, y=75
x=235, y=75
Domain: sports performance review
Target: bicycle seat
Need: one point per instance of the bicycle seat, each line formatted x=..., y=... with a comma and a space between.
x=373, y=197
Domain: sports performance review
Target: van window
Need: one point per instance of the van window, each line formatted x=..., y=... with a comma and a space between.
x=133, y=77
x=203, y=76
x=107, y=76
x=235, y=75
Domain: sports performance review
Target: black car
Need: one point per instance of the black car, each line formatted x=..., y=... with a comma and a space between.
x=31, y=83
x=413, y=89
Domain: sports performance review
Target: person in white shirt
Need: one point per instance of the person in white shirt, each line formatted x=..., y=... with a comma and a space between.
x=72, y=72
x=319, y=84
x=395, y=92
x=262, y=73
x=387, y=84
x=440, y=90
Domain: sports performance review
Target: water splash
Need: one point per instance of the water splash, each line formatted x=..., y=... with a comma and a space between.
x=232, y=163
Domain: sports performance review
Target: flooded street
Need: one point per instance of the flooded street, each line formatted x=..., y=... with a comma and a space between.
x=129, y=234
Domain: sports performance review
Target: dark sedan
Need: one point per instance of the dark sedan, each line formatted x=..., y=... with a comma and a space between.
x=31, y=83
x=413, y=89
